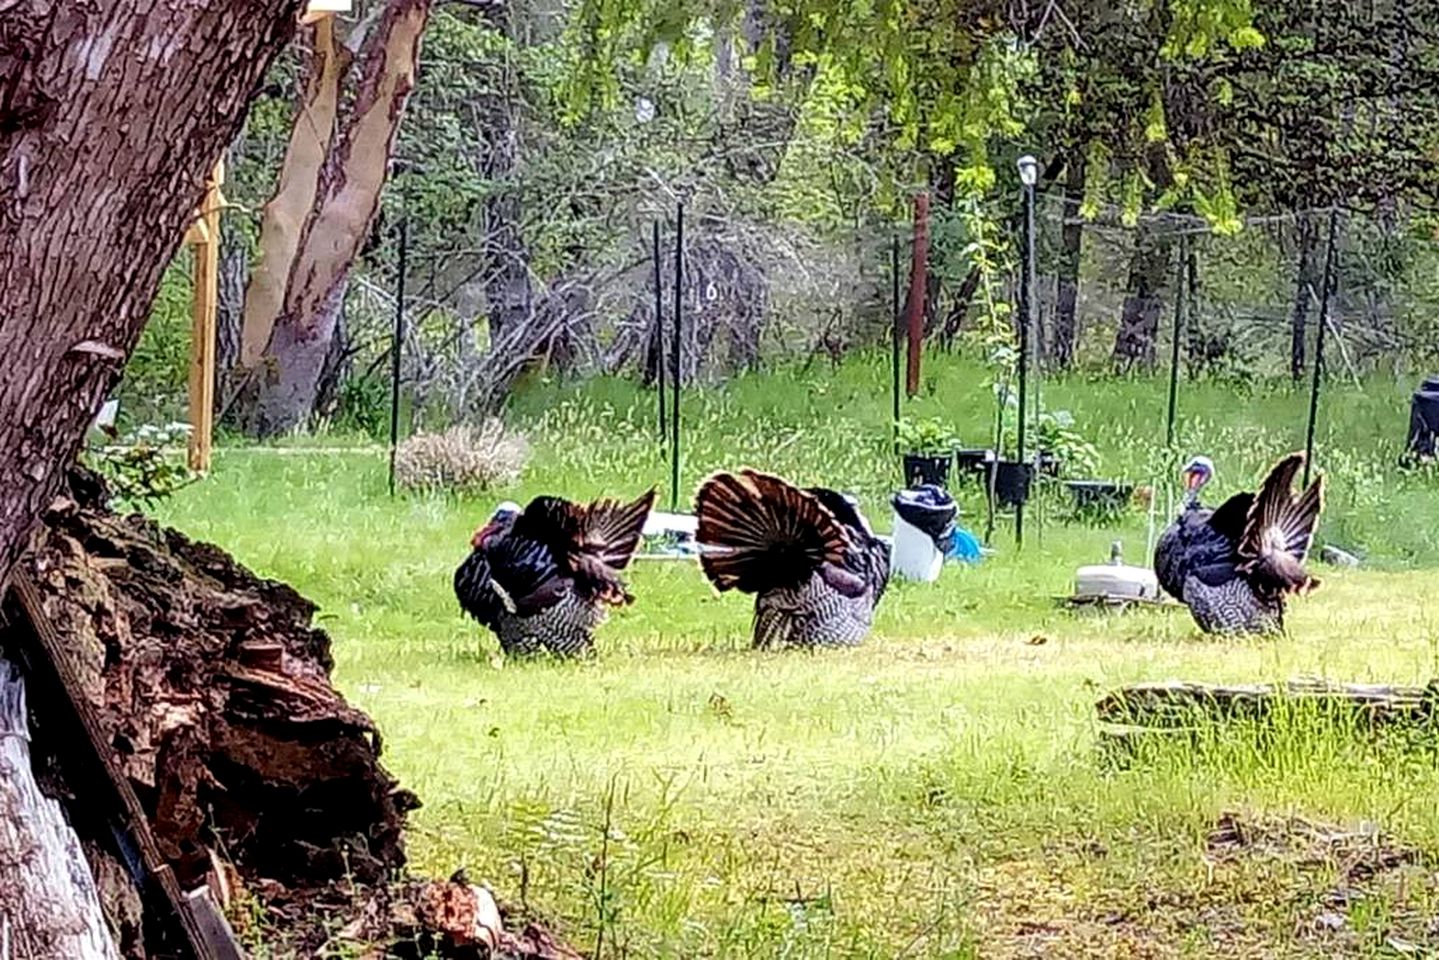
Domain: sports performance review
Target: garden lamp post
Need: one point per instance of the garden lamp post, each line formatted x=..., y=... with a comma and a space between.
x=1028, y=175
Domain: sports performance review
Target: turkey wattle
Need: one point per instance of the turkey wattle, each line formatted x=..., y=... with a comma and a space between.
x=1235, y=566
x=815, y=568
x=541, y=578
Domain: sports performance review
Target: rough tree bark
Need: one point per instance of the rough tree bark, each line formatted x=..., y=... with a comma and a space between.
x=1066, y=326
x=1306, y=286
x=229, y=320
x=110, y=117
x=321, y=214
x=1134, y=343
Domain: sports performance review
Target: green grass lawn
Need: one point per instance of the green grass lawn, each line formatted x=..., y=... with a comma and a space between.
x=935, y=793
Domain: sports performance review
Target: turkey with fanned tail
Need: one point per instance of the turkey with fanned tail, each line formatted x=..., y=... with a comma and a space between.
x=1234, y=567
x=808, y=556
x=541, y=578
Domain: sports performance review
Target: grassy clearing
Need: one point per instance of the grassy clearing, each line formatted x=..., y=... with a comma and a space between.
x=936, y=793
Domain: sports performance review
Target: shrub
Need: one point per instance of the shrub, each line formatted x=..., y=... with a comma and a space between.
x=144, y=467
x=463, y=458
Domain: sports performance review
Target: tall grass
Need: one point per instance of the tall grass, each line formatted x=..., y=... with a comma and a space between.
x=939, y=792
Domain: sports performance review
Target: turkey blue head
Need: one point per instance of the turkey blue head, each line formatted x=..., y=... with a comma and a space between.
x=500, y=522
x=1197, y=472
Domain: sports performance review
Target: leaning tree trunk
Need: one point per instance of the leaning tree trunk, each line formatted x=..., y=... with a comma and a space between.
x=111, y=115
x=1066, y=326
x=1306, y=285
x=321, y=214
x=1134, y=343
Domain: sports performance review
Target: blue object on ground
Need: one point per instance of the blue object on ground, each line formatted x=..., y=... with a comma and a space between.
x=963, y=546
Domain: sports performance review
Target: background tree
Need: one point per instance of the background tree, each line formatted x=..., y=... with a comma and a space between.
x=322, y=210
x=110, y=117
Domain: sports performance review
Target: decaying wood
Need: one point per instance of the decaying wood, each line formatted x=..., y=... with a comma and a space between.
x=49, y=906
x=1178, y=705
x=247, y=772
x=213, y=690
x=90, y=768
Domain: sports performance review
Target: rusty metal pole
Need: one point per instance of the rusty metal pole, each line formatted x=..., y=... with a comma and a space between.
x=917, y=282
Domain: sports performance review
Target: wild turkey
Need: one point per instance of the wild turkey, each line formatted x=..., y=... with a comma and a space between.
x=541, y=578
x=808, y=556
x=1235, y=567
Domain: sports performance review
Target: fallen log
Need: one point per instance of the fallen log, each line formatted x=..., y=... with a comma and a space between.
x=205, y=693
x=1179, y=713
x=1178, y=704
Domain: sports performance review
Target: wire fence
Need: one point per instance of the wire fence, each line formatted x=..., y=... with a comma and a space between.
x=481, y=315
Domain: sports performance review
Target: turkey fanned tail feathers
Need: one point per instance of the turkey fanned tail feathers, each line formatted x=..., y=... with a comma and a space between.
x=1279, y=530
x=815, y=569
x=757, y=533
x=544, y=581
x=591, y=542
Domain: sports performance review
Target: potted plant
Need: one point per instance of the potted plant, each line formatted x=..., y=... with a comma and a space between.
x=927, y=446
x=1062, y=448
x=1009, y=481
x=972, y=460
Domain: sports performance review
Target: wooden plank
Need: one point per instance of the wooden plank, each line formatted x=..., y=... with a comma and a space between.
x=210, y=920
x=205, y=305
x=53, y=672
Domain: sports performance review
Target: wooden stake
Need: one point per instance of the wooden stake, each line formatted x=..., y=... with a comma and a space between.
x=204, y=235
x=317, y=10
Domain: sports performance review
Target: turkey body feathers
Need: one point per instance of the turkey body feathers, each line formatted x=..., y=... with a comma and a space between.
x=1234, y=566
x=542, y=578
x=815, y=569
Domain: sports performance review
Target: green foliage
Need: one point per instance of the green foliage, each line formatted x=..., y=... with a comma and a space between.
x=1057, y=432
x=145, y=467
x=156, y=378
x=363, y=407
x=928, y=437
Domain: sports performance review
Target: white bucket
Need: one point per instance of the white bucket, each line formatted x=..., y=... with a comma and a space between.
x=914, y=555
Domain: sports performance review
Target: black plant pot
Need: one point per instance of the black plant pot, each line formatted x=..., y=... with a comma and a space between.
x=1099, y=496
x=1010, y=481
x=920, y=469
x=972, y=460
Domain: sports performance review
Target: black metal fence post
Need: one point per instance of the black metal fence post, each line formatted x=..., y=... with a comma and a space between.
x=677, y=351
x=397, y=346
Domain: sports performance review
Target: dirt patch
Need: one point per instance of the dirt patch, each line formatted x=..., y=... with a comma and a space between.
x=1255, y=887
